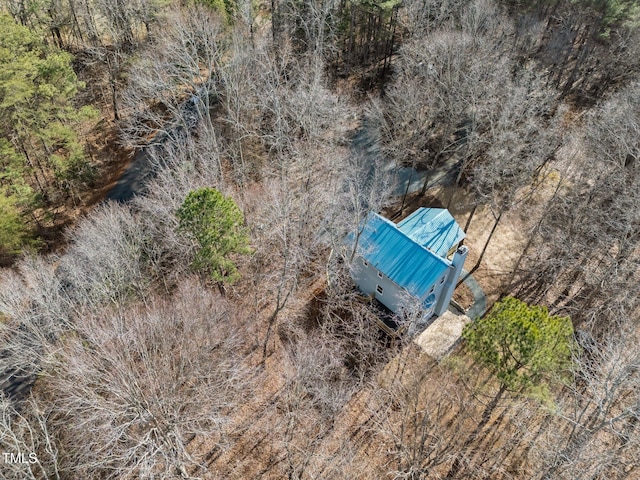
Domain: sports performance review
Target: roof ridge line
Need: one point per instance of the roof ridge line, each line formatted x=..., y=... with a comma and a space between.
x=395, y=226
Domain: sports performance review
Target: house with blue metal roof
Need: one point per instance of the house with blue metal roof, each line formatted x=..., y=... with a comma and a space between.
x=410, y=263
x=434, y=229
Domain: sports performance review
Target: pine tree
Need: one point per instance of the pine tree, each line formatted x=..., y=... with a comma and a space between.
x=13, y=230
x=216, y=223
x=40, y=154
x=521, y=344
x=37, y=115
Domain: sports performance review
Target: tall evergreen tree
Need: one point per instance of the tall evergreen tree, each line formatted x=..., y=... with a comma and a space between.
x=521, y=344
x=215, y=221
x=40, y=153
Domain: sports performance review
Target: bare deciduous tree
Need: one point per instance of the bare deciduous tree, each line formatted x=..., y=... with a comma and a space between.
x=274, y=105
x=447, y=88
x=596, y=426
x=172, y=86
x=28, y=448
x=521, y=135
x=414, y=427
x=37, y=310
x=587, y=251
x=137, y=386
x=104, y=262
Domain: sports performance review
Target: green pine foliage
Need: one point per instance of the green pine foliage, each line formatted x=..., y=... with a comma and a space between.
x=13, y=231
x=37, y=117
x=227, y=9
x=216, y=223
x=523, y=345
x=40, y=153
x=615, y=12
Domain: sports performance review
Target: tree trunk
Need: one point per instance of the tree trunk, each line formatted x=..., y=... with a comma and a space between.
x=471, y=214
x=33, y=171
x=272, y=320
x=274, y=24
x=425, y=186
x=57, y=37
x=406, y=192
x=486, y=416
x=112, y=66
x=532, y=236
x=76, y=25
x=116, y=116
x=486, y=244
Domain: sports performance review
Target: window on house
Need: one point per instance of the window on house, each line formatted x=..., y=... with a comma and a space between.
x=441, y=280
x=431, y=291
x=366, y=264
x=379, y=289
x=380, y=274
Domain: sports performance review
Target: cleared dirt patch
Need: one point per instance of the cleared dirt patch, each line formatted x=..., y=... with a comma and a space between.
x=463, y=296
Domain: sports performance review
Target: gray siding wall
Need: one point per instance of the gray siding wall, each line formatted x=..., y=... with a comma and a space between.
x=393, y=297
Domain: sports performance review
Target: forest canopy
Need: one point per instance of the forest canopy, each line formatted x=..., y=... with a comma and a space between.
x=205, y=322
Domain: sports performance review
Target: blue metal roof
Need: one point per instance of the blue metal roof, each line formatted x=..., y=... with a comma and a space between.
x=394, y=254
x=433, y=228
